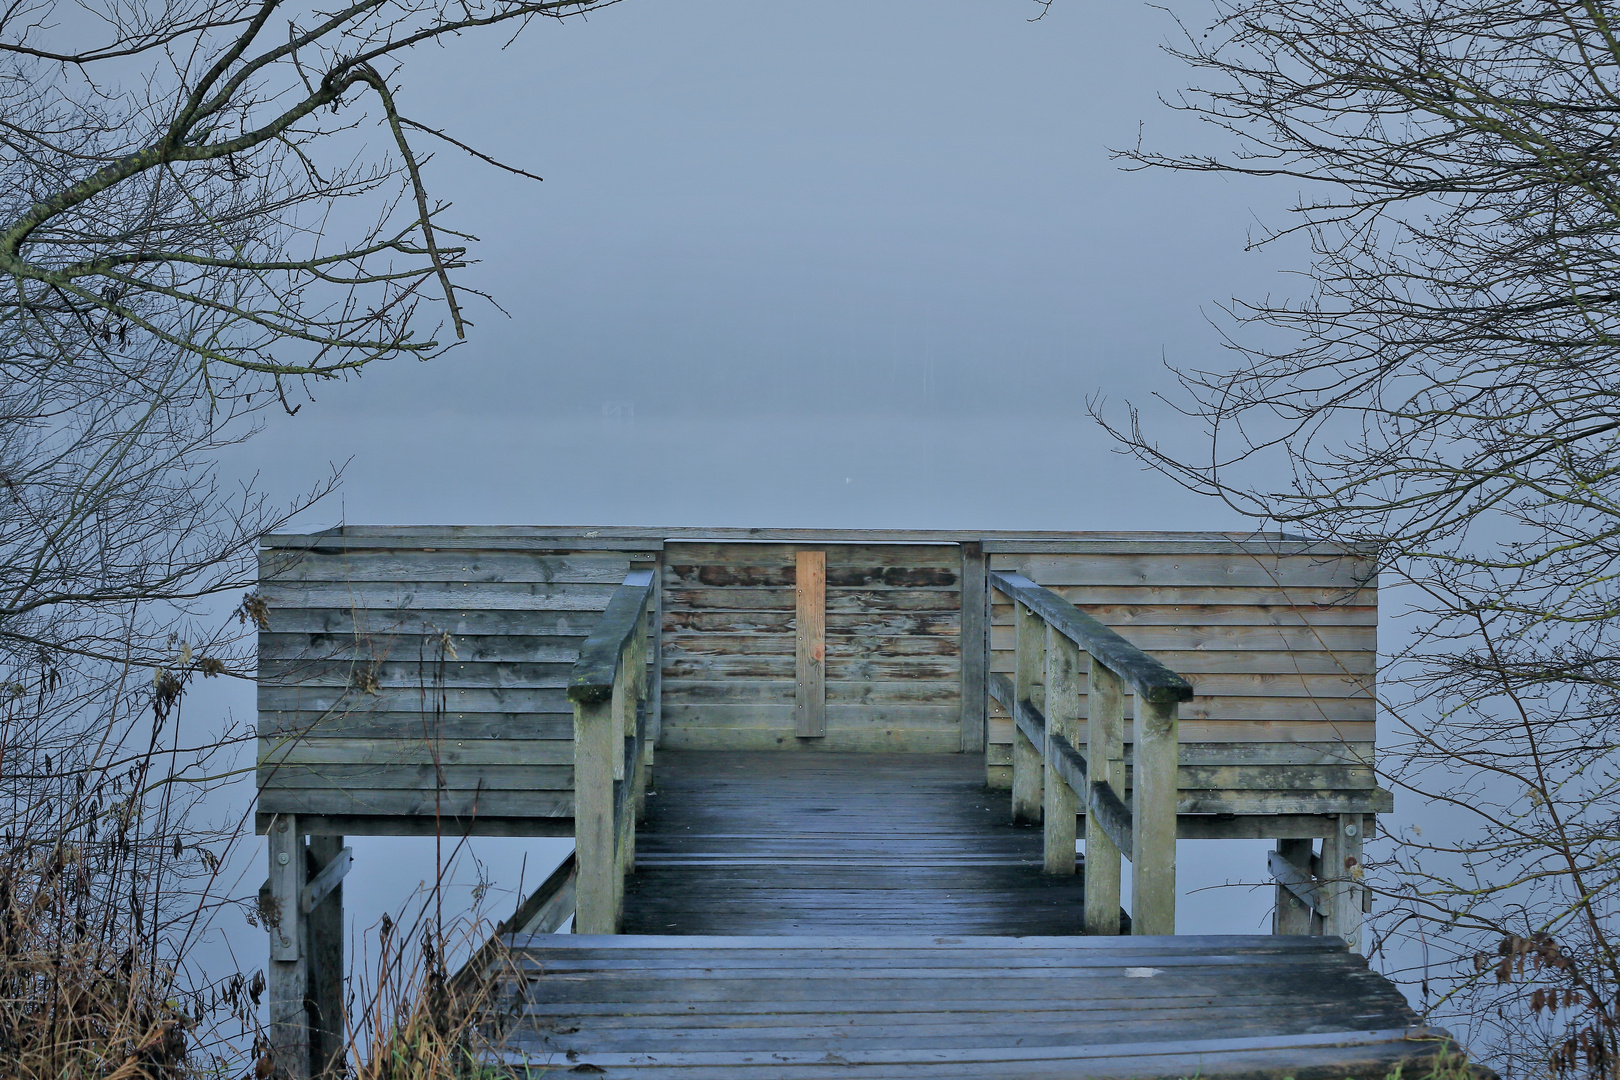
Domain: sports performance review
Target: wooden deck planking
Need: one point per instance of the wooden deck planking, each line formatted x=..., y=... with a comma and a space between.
x=903, y=1007
x=773, y=843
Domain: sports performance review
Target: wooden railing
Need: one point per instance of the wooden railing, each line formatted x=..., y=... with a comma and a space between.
x=1051, y=779
x=612, y=754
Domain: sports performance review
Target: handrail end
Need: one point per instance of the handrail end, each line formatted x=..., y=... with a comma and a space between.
x=590, y=692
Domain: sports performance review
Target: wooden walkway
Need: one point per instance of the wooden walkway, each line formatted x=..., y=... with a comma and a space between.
x=906, y=1008
x=874, y=917
x=784, y=843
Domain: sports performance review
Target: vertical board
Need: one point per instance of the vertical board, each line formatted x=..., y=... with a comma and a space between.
x=975, y=648
x=810, y=645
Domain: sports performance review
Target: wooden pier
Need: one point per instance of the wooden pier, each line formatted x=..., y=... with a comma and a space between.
x=827, y=789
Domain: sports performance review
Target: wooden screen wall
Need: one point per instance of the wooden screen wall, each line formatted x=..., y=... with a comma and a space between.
x=1279, y=640
x=399, y=681
x=893, y=667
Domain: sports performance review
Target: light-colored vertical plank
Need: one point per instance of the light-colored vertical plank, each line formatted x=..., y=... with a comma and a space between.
x=1062, y=718
x=1105, y=763
x=1029, y=770
x=595, y=838
x=1290, y=915
x=1153, y=818
x=810, y=649
x=975, y=648
x=1341, y=881
x=288, y=977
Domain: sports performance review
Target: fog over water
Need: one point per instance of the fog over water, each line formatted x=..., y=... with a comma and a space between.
x=840, y=265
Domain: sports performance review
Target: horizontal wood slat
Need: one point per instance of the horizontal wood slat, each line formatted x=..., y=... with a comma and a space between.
x=733, y=657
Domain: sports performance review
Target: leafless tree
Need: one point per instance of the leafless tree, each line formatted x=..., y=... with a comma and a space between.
x=1449, y=389
x=193, y=225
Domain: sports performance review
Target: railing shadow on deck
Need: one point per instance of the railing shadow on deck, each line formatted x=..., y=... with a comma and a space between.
x=1057, y=646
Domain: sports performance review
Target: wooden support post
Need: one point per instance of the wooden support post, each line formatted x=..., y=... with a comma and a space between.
x=975, y=649
x=810, y=649
x=288, y=977
x=1341, y=881
x=1291, y=915
x=595, y=838
x=1153, y=817
x=1105, y=762
x=1029, y=770
x=324, y=939
x=1062, y=718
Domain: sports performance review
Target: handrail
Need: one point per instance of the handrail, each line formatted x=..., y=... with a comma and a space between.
x=592, y=678
x=1147, y=676
x=611, y=752
x=1061, y=654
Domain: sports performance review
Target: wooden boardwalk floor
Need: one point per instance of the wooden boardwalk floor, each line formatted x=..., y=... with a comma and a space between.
x=910, y=1008
x=875, y=917
x=785, y=843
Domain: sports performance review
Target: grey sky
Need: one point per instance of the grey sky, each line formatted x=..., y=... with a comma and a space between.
x=848, y=264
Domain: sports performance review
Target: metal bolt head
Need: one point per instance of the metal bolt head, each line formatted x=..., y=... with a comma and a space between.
x=1350, y=830
x=281, y=859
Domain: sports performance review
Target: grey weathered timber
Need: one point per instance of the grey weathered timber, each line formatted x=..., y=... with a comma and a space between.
x=903, y=1006
x=1028, y=768
x=607, y=688
x=1152, y=680
x=1153, y=819
x=1106, y=746
x=1062, y=725
x=287, y=977
x=322, y=903
x=774, y=843
x=975, y=648
x=1300, y=900
x=1342, y=875
x=892, y=657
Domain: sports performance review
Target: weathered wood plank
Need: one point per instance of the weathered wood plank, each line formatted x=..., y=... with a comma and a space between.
x=513, y=699
x=413, y=752
x=974, y=659
x=366, y=627
x=405, y=595
x=387, y=802
x=415, y=774
x=455, y=566
x=865, y=623
x=838, y=602
x=810, y=645
x=1192, y=637
x=408, y=726
x=1196, y=570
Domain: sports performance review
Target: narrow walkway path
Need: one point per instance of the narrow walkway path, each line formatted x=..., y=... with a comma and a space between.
x=811, y=843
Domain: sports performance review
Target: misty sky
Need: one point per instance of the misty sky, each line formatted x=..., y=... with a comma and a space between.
x=843, y=264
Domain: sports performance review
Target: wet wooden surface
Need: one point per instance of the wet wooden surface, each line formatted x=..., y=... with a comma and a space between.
x=774, y=843
x=760, y=1008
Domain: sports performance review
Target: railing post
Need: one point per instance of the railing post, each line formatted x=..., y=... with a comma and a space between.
x=1105, y=762
x=595, y=838
x=1062, y=718
x=1341, y=880
x=1028, y=765
x=289, y=953
x=1153, y=812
